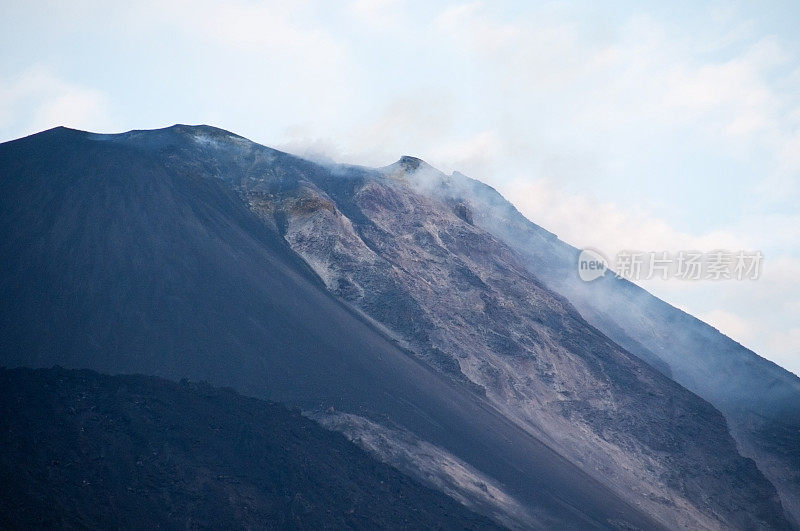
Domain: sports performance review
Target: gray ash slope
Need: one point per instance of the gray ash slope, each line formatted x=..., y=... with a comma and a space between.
x=138, y=452
x=192, y=252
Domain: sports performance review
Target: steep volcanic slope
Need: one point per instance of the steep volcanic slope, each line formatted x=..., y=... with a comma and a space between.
x=464, y=302
x=129, y=253
x=81, y=450
x=760, y=400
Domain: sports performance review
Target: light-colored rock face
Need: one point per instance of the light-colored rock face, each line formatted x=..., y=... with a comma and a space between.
x=760, y=400
x=429, y=269
x=465, y=303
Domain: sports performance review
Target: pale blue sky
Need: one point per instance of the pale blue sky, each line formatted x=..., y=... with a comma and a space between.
x=617, y=125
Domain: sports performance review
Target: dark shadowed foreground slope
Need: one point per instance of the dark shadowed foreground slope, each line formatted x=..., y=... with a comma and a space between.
x=123, y=254
x=82, y=450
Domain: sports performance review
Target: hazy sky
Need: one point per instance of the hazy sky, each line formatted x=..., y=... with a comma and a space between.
x=616, y=125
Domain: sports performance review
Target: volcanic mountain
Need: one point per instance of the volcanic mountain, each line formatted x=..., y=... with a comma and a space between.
x=415, y=312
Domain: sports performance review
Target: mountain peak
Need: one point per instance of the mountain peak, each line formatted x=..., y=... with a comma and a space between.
x=410, y=163
x=208, y=130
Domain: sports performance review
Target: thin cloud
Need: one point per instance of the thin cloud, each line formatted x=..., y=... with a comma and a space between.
x=38, y=99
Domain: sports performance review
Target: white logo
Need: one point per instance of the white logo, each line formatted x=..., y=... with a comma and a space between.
x=591, y=265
